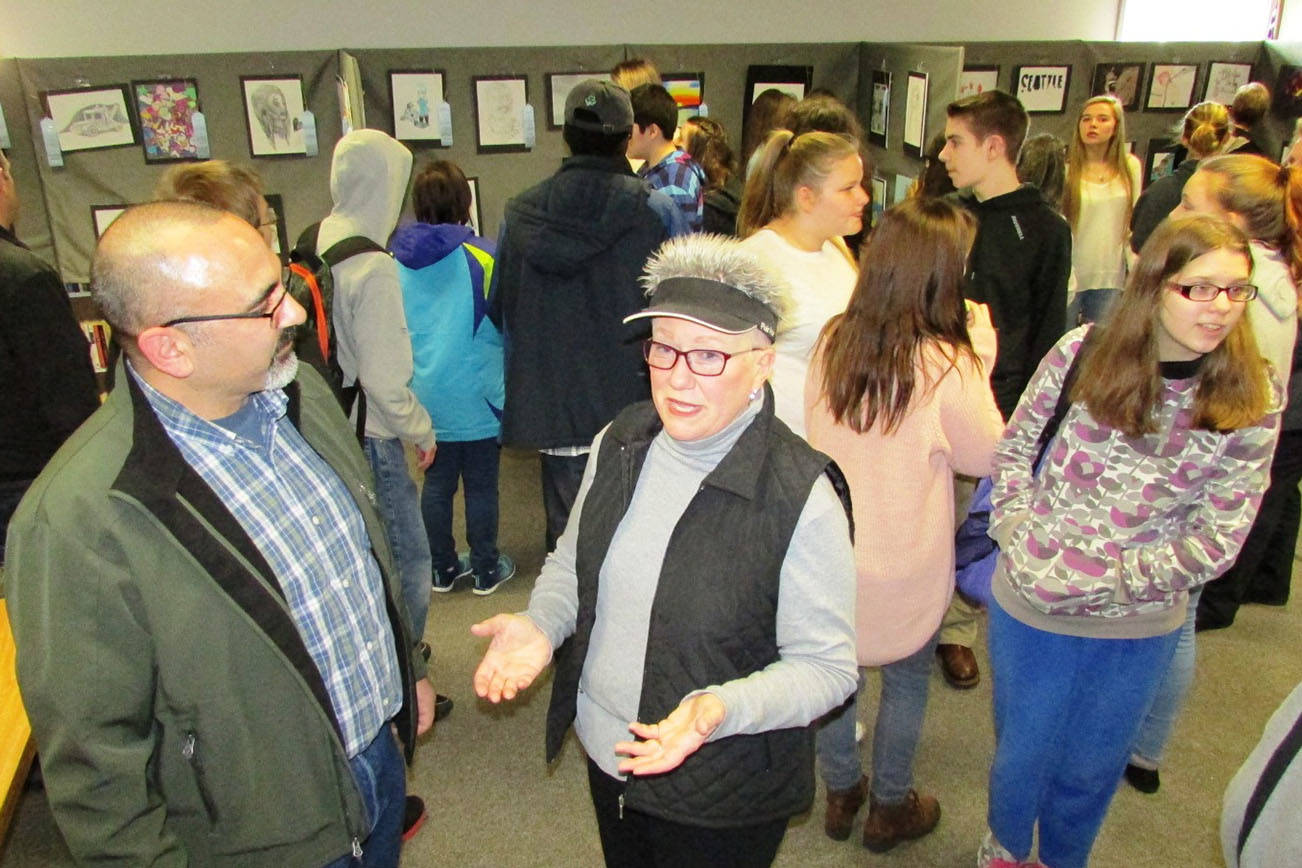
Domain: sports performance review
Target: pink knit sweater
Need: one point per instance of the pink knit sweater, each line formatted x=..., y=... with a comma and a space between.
x=902, y=486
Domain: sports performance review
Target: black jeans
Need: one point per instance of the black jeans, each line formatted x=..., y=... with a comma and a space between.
x=1264, y=568
x=638, y=840
x=561, y=476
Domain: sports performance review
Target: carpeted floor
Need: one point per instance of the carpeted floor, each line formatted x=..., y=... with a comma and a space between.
x=493, y=801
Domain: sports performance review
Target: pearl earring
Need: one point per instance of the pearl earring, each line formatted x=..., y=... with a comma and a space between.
x=754, y=394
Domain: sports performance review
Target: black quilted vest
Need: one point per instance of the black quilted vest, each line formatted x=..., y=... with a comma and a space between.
x=713, y=618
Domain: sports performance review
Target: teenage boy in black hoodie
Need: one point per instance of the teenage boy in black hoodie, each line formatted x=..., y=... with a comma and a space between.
x=1019, y=266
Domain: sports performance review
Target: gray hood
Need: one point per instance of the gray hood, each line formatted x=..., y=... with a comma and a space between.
x=368, y=181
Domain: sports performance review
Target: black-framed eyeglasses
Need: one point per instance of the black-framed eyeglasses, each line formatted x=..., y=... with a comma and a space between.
x=265, y=314
x=702, y=362
x=1208, y=291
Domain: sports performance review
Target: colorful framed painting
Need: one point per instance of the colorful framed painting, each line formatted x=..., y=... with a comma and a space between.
x=977, y=79
x=1042, y=89
x=1122, y=80
x=273, y=110
x=688, y=91
x=165, y=111
x=558, y=86
x=879, y=111
x=1288, y=92
x=416, y=95
x=1171, y=87
x=89, y=119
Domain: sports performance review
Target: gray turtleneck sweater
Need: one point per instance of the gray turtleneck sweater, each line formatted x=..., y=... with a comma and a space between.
x=815, y=618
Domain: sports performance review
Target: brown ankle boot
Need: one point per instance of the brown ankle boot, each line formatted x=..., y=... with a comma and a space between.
x=842, y=805
x=888, y=825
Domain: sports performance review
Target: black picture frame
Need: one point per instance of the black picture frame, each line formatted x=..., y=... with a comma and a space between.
x=144, y=123
x=879, y=108
x=973, y=80
x=260, y=108
x=796, y=80
x=92, y=118
x=1122, y=79
x=1054, y=99
x=407, y=129
x=476, y=207
x=101, y=216
x=915, y=114
x=491, y=121
x=1156, y=74
x=1288, y=92
x=1159, y=160
x=557, y=86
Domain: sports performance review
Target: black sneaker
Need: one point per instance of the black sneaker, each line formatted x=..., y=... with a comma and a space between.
x=505, y=572
x=1142, y=779
x=446, y=580
x=413, y=817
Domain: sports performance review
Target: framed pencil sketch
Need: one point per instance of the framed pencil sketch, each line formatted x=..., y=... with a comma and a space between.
x=165, y=110
x=1042, y=89
x=915, y=114
x=879, y=110
x=499, y=112
x=102, y=216
x=88, y=119
x=688, y=91
x=1171, y=87
x=1121, y=80
x=1223, y=79
x=476, y=213
x=416, y=95
x=977, y=79
x=558, y=86
x=273, y=108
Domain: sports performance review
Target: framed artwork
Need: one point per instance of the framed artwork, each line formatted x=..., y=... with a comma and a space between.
x=977, y=79
x=1042, y=89
x=416, y=95
x=688, y=91
x=1288, y=92
x=165, y=109
x=915, y=114
x=102, y=216
x=280, y=243
x=1223, y=79
x=1160, y=159
x=903, y=184
x=559, y=85
x=879, y=110
x=499, y=112
x=97, y=338
x=273, y=105
x=1121, y=80
x=1170, y=88
x=792, y=80
x=879, y=198
x=88, y=119
x=476, y=213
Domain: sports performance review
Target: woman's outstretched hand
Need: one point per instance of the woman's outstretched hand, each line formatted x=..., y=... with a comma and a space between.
x=663, y=746
x=517, y=653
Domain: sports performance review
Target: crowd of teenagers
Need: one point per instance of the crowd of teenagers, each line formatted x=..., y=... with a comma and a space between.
x=783, y=416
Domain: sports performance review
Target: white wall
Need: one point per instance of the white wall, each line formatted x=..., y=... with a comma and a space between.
x=70, y=28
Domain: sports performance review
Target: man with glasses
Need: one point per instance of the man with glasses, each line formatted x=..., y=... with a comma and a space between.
x=209, y=542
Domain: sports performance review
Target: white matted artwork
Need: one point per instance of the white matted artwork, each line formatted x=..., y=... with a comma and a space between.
x=102, y=216
x=476, y=216
x=559, y=85
x=273, y=109
x=1223, y=79
x=915, y=114
x=499, y=112
x=1041, y=89
x=1171, y=86
x=977, y=79
x=880, y=108
x=416, y=95
x=90, y=118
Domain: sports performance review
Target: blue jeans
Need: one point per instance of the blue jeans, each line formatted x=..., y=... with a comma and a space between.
x=474, y=463
x=400, y=508
x=382, y=779
x=1150, y=743
x=900, y=711
x=1066, y=711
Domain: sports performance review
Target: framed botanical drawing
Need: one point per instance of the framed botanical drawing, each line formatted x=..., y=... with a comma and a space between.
x=88, y=119
x=416, y=95
x=165, y=109
x=499, y=112
x=273, y=109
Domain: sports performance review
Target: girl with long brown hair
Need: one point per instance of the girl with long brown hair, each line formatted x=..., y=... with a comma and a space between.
x=1144, y=494
x=1102, y=186
x=899, y=396
x=706, y=141
x=803, y=194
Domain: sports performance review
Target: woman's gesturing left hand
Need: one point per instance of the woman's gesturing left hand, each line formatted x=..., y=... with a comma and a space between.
x=663, y=746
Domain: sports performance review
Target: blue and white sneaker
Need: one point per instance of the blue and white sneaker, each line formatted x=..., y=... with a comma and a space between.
x=485, y=585
x=446, y=580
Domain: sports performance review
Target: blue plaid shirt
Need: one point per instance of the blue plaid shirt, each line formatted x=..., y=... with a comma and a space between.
x=680, y=178
x=302, y=519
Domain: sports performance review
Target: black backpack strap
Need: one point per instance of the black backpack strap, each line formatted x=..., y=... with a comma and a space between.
x=1279, y=762
x=348, y=248
x=1064, y=401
